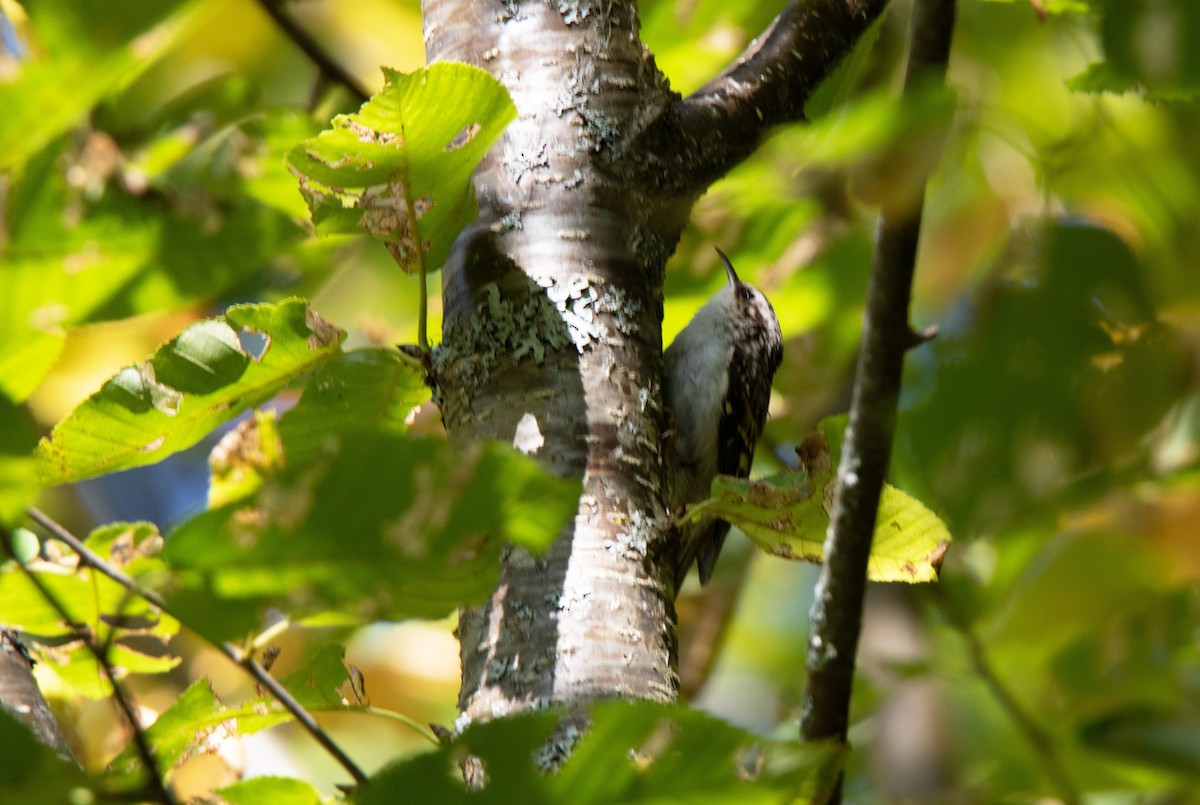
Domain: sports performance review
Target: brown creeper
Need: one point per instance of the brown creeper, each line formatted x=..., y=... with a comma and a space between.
x=718, y=373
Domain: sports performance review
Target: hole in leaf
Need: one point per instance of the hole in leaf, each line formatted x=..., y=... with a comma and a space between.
x=463, y=137
x=254, y=343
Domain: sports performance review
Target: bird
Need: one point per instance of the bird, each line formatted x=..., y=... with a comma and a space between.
x=717, y=385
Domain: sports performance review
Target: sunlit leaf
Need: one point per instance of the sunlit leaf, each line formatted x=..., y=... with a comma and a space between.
x=373, y=389
x=270, y=791
x=788, y=514
x=83, y=62
x=18, y=469
x=89, y=597
x=400, y=168
x=379, y=524
x=30, y=771
x=197, y=721
x=77, y=668
x=243, y=458
x=202, y=378
x=111, y=614
x=631, y=753
x=317, y=683
x=75, y=255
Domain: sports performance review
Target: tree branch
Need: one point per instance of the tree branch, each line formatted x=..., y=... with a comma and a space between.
x=243, y=659
x=701, y=137
x=836, y=615
x=313, y=50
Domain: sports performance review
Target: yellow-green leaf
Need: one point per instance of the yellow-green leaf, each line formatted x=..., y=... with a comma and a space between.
x=787, y=515
x=401, y=167
x=201, y=378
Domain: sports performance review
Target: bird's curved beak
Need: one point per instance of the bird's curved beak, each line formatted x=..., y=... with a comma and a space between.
x=729, y=272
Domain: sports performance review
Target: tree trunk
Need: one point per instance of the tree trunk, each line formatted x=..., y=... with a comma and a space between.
x=553, y=310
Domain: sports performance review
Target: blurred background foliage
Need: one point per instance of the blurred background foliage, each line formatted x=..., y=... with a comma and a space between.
x=1054, y=423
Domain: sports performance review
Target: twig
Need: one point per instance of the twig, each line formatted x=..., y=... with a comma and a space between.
x=93, y=559
x=315, y=53
x=232, y=652
x=835, y=618
x=1043, y=747
x=157, y=784
x=701, y=137
x=298, y=711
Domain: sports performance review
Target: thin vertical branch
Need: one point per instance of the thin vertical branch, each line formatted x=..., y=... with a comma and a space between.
x=243, y=659
x=835, y=619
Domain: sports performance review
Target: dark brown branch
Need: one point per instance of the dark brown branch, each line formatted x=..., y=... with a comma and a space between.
x=232, y=652
x=701, y=137
x=836, y=615
x=158, y=787
x=329, y=68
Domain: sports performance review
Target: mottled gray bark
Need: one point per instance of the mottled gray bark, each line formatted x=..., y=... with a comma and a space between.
x=553, y=311
x=21, y=697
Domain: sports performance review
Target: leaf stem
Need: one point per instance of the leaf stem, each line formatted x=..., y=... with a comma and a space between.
x=423, y=730
x=423, y=302
x=422, y=280
x=232, y=652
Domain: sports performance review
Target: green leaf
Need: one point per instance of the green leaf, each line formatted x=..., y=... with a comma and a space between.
x=197, y=720
x=1168, y=740
x=1152, y=43
x=119, y=253
x=25, y=362
x=632, y=752
x=316, y=684
x=372, y=389
x=674, y=753
x=77, y=668
x=110, y=612
x=400, y=168
x=18, y=469
x=189, y=386
x=32, y=772
x=1102, y=77
x=378, y=524
x=85, y=57
x=89, y=597
x=1058, y=6
x=270, y=791
x=787, y=515
x=243, y=458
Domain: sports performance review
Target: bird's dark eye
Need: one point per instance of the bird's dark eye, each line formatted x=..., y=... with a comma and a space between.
x=746, y=294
